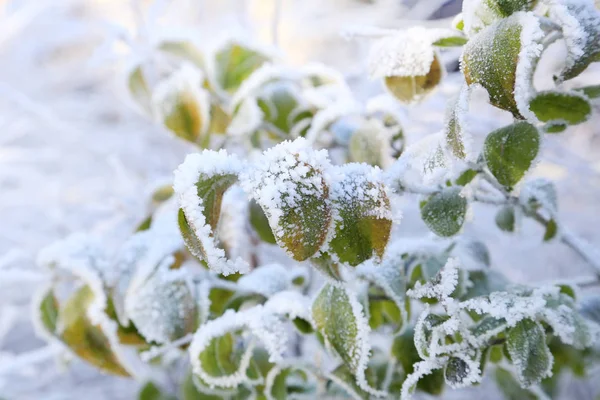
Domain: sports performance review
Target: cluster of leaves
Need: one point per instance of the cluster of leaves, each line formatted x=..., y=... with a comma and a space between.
x=194, y=278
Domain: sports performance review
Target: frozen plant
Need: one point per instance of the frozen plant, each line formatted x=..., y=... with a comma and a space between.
x=271, y=265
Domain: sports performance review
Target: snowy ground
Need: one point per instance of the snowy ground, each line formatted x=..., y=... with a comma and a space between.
x=74, y=156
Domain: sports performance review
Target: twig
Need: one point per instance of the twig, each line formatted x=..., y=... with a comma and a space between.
x=160, y=350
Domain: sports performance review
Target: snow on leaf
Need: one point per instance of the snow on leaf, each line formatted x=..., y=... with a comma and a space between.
x=580, y=24
x=526, y=344
x=246, y=119
x=290, y=382
x=556, y=107
x=502, y=59
x=231, y=229
x=370, y=143
x=290, y=183
x=456, y=128
x=183, y=105
x=268, y=279
x=215, y=358
x=480, y=13
x=411, y=89
x=339, y=317
x=45, y=309
x=163, y=307
x=510, y=152
x=444, y=212
x=84, y=337
x=442, y=286
x=363, y=217
x=200, y=183
x=566, y=322
x=233, y=63
x=539, y=194
x=461, y=371
x=421, y=369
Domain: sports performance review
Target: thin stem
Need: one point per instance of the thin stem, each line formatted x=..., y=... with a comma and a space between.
x=160, y=350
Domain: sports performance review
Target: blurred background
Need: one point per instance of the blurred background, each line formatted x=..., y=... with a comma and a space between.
x=76, y=156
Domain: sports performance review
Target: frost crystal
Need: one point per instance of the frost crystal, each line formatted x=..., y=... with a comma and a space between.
x=196, y=169
x=442, y=286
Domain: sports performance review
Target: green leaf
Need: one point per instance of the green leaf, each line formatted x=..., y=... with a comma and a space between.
x=289, y=184
x=509, y=152
x=364, y=222
x=444, y=213
x=183, y=50
x=456, y=127
x=491, y=59
x=221, y=357
x=138, y=87
x=200, y=183
x=581, y=31
x=484, y=282
x=591, y=92
x=260, y=223
x=327, y=267
x=190, y=391
x=505, y=218
x=369, y=144
x=234, y=63
x=409, y=89
x=303, y=326
x=466, y=177
x=456, y=371
x=86, y=340
x=551, y=230
x=554, y=127
x=284, y=383
x=488, y=327
x=47, y=311
x=152, y=392
x=451, y=41
x=559, y=106
x=510, y=387
x=526, y=344
x=280, y=103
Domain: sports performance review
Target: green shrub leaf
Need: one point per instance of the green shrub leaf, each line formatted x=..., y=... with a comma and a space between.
x=509, y=152
x=364, y=219
x=234, y=62
x=444, y=213
x=152, y=392
x=560, y=106
x=526, y=344
x=46, y=311
x=410, y=89
x=505, y=218
x=591, y=92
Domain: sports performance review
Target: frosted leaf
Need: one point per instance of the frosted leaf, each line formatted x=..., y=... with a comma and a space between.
x=283, y=107
x=425, y=162
x=502, y=59
x=246, y=119
x=370, y=143
x=510, y=152
x=486, y=329
x=539, y=193
x=390, y=277
x=478, y=14
x=421, y=369
x=442, y=286
x=363, y=217
x=339, y=317
x=262, y=76
x=267, y=280
x=580, y=22
x=456, y=127
x=75, y=323
x=290, y=183
x=213, y=343
x=556, y=107
x=328, y=267
x=183, y=105
x=200, y=183
x=526, y=344
x=445, y=212
x=461, y=371
x=163, y=307
x=290, y=382
x=231, y=230
x=328, y=115
x=45, y=310
x=139, y=89
x=412, y=89
x=406, y=53
x=566, y=322
x=233, y=62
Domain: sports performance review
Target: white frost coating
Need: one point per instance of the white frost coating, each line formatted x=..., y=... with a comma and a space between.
x=510, y=306
x=421, y=369
x=363, y=351
x=266, y=73
x=266, y=280
x=473, y=372
x=275, y=371
x=231, y=230
x=441, y=287
x=265, y=322
x=247, y=119
x=531, y=50
x=195, y=168
x=407, y=53
x=187, y=80
x=476, y=15
x=575, y=17
x=540, y=192
x=81, y=256
x=458, y=112
x=284, y=174
x=36, y=315
x=325, y=117
x=323, y=72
